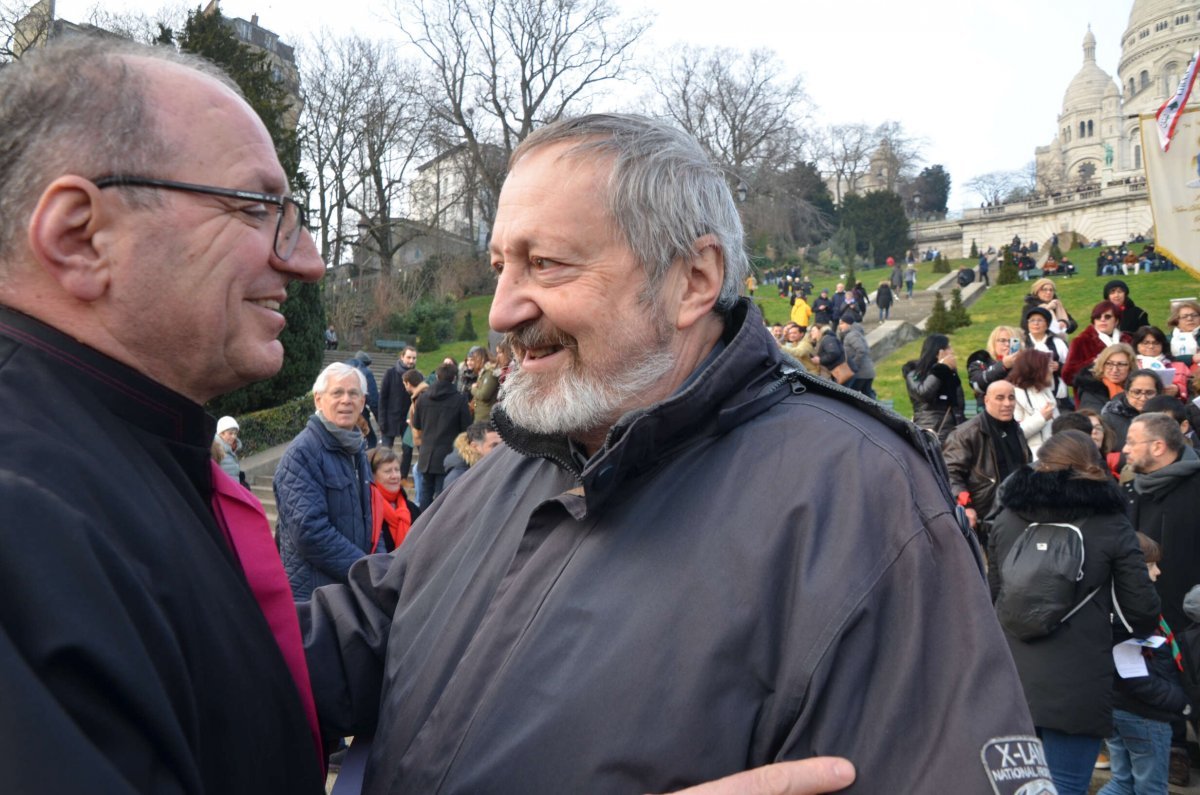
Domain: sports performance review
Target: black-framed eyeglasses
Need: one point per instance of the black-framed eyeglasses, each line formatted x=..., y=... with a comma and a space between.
x=291, y=218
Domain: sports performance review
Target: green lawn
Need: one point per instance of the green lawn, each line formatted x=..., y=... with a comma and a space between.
x=1001, y=305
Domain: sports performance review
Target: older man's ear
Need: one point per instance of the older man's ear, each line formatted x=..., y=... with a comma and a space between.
x=63, y=237
x=696, y=283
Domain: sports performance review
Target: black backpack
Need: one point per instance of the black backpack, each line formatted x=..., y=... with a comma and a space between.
x=1038, y=577
x=1189, y=650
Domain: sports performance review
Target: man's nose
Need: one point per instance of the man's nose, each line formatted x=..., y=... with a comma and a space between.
x=514, y=304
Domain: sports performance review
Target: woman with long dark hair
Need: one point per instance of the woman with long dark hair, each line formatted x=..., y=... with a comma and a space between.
x=935, y=387
x=1067, y=674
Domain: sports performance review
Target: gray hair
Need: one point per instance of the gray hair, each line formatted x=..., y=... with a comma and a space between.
x=77, y=106
x=1162, y=426
x=338, y=370
x=664, y=192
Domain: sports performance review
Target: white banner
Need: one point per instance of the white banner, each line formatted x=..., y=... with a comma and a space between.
x=1173, y=180
x=1168, y=114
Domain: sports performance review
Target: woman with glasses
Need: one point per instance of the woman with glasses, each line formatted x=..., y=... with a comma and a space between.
x=993, y=364
x=1151, y=345
x=1105, y=379
x=1120, y=411
x=1043, y=293
x=1088, y=343
x=1036, y=323
x=1185, y=332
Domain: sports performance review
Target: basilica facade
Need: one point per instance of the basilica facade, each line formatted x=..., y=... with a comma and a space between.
x=1098, y=139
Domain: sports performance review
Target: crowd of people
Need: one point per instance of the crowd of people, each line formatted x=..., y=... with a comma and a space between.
x=1093, y=429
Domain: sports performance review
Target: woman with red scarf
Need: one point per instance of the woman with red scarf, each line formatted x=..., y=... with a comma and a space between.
x=391, y=509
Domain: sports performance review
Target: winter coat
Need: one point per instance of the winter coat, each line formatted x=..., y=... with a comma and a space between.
x=1159, y=695
x=801, y=313
x=884, y=297
x=484, y=393
x=858, y=352
x=822, y=307
x=323, y=496
x=1090, y=391
x=372, y=385
x=1117, y=414
x=440, y=415
x=1057, y=348
x=973, y=466
x=982, y=370
x=1028, y=412
x=394, y=402
x=1067, y=675
x=1164, y=505
x=526, y=637
x=1083, y=351
x=937, y=399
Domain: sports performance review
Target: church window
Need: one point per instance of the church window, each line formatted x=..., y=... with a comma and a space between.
x=1089, y=129
x=1182, y=19
x=1162, y=26
x=1143, y=33
x=1082, y=130
x=1144, y=79
x=1132, y=87
x=1137, y=157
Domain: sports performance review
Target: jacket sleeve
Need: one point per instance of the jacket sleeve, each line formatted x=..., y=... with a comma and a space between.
x=345, y=630
x=959, y=453
x=854, y=351
x=303, y=505
x=1161, y=689
x=930, y=387
x=385, y=414
x=931, y=584
x=1076, y=360
x=983, y=373
x=486, y=387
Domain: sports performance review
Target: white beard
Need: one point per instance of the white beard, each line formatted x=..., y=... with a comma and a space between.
x=578, y=400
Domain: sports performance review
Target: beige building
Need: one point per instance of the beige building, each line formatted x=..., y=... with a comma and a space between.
x=1098, y=139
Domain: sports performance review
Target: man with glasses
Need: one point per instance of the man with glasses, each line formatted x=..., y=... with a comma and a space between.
x=142, y=648
x=147, y=239
x=322, y=486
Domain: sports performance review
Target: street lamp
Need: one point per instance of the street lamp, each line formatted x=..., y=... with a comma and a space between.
x=916, y=220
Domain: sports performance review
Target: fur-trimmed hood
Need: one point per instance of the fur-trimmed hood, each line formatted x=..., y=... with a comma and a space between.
x=1032, y=493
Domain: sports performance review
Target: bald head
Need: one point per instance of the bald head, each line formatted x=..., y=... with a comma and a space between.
x=1000, y=400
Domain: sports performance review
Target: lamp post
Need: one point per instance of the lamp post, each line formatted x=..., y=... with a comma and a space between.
x=916, y=220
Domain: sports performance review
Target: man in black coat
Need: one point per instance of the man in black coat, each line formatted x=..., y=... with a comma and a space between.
x=441, y=415
x=394, y=402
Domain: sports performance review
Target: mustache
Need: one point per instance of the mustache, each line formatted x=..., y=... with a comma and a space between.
x=538, y=335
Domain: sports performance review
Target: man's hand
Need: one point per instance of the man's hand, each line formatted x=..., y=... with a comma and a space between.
x=972, y=517
x=805, y=777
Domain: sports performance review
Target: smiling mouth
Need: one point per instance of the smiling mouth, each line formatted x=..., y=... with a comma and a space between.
x=533, y=354
x=266, y=303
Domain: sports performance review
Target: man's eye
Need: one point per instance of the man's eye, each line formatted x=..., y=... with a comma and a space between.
x=258, y=211
x=497, y=267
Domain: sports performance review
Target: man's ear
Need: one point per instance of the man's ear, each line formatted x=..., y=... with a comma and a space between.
x=62, y=237
x=701, y=278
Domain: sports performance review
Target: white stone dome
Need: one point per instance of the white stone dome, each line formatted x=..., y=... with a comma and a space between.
x=1091, y=85
x=1146, y=11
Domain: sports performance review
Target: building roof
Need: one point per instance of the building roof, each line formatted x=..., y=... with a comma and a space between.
x=1091, y=84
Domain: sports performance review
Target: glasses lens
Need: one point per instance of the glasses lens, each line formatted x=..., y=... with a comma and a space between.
x=1116, y=365
x=1106, y=316
x=287, y=233
x=1142, y=392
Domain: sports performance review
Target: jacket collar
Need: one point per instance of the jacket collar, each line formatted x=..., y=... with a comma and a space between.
x=720, y=397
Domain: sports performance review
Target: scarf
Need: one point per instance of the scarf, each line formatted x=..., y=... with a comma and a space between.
x=1107, y=340
x=1114, y=388
x=1165, y=479
x=389, y=508
x=1006, y=439
x=350, y=440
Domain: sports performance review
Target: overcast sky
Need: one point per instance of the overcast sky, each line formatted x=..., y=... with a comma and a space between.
x=981, y=82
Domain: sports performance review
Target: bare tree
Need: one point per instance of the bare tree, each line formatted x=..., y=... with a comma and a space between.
x=897, y=153
x=501, y=67
x=844, y=151
x=364, y=126
x=739, y=105
x=22, y=25
x=993, y=186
